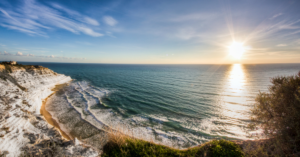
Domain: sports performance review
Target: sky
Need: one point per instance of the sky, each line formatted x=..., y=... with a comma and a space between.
x=149, y=32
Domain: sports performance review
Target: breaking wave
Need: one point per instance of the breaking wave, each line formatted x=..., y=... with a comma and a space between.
x=81, y=113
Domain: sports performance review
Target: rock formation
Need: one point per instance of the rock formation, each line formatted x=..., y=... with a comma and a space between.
x=22, y=129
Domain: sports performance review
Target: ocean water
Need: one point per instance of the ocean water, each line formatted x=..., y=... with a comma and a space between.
x=175, y=105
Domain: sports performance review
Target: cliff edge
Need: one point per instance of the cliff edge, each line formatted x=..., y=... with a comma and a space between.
x=22, y=128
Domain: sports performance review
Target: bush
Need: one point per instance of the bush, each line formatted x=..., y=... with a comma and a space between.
x=130, y=147
x=216, y=148
x=277, y=113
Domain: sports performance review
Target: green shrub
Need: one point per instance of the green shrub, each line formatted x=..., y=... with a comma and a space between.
x=140, y=148
x=277, y=113
x=218, y=148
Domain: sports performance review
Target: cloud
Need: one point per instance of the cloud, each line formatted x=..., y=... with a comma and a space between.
x=76, y=15
x=19, y=54
x=34, y=18
x=271, y=29
x=281, y=45
x=288, y=27
x=90, y=32
x=193, y=17
x=110, y=20
x=7, y=54
x=293, y=33
x=91, y=21
x=276, y=15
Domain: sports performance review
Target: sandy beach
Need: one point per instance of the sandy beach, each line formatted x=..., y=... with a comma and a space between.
x=48, y=116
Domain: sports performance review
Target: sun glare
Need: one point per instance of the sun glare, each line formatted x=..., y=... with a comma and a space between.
x=236, y=50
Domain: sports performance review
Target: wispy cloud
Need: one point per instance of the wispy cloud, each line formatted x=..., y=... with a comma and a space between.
x=110, y=20
x=282, y=45
x=76, y=15
x=193, y=17
x=288, y=27
x=276, y=15
x=34, y=18
x=193, y=26
x=7, y=54
x=21, y=54
x=270, y=29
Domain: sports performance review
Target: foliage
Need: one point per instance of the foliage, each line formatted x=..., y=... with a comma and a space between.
x=136, y=148
x=8, y=66
x=277, y=113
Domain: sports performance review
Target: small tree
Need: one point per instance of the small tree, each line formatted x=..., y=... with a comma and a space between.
x=277, y=112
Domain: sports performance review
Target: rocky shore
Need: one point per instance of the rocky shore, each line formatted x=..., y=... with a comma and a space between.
x=23, y=130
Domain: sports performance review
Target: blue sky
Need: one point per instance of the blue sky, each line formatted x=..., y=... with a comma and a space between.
x=149, y=32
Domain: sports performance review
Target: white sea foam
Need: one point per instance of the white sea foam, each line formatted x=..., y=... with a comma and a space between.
x=86, y=101
x=78, y=97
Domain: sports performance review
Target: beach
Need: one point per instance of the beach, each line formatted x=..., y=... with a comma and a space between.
x=48, y=116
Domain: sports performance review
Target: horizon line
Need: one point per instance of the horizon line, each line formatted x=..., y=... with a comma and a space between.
x=152, y=63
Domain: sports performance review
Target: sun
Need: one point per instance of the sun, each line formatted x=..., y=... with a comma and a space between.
x=236, y=49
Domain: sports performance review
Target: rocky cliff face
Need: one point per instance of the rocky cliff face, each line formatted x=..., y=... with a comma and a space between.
x=22, y=90
x=34, y=83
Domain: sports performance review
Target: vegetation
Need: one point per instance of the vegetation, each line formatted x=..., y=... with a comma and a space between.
x=8, y=66
x=277, y=113
x=120, y=145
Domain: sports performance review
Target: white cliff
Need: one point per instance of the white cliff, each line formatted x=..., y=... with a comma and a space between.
x=22, y=90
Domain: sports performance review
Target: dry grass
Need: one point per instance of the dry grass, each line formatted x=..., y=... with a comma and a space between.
x=117, y=135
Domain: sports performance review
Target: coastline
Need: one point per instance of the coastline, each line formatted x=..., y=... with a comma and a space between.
x=26, y=128
x=48, y=117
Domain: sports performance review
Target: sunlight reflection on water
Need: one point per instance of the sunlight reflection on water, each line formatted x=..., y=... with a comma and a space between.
x=234, y=95
x=236, y=78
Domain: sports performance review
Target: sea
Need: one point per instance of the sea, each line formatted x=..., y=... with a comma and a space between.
x=174, y=105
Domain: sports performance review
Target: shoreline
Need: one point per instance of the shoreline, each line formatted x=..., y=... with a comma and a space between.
x=48, y=117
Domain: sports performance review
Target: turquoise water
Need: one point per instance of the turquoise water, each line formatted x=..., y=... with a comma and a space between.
x=182, y=104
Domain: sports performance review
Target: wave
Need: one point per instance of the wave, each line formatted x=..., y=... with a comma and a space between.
x=80, y=110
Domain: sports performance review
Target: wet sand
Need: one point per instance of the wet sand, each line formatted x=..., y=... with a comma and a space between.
x=48, y=116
